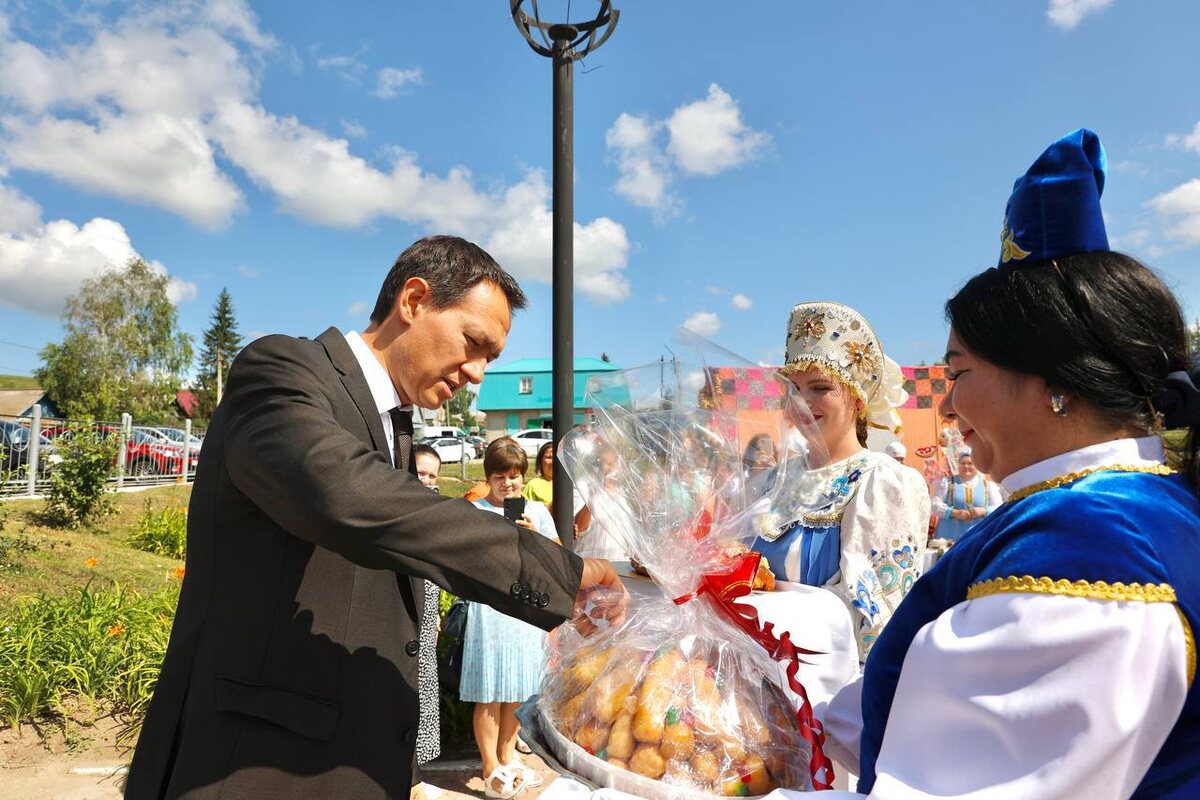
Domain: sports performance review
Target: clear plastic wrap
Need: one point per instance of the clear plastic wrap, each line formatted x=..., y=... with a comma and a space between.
x=681, y=699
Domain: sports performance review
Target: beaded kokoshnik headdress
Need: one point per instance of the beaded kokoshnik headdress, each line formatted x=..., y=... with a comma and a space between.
x=835, y=339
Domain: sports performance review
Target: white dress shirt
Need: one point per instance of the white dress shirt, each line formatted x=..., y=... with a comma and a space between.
x=383, y=392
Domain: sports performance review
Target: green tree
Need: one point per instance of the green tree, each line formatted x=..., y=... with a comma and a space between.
x=122, y=350
x=1194, y=338
x=221, y=345
x=459, y=409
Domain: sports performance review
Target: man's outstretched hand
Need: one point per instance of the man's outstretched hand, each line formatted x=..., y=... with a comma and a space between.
x=601, y=599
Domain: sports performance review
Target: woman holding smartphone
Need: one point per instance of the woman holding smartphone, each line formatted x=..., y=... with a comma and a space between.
x=502, y=656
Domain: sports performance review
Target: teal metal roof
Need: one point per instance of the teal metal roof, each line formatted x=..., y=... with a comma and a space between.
x=528, y=366
x=527, y=384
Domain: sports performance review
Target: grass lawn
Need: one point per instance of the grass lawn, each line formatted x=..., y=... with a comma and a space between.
x=37, y=559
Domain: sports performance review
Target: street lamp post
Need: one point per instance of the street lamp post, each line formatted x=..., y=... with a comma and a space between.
x=564, y=43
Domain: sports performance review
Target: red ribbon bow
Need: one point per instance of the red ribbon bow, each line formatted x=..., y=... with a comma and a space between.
x=724, y=588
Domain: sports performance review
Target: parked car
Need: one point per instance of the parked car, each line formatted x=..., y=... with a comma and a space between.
x=146, y=455
x=175, y=437
x=14, y=449
x=532, y=440
x=450, y=449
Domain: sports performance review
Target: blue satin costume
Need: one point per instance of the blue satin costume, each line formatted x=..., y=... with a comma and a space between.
x=1111, y=527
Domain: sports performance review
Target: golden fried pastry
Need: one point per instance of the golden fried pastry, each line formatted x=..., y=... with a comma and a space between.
x=609, y=694
x=678, y=740
x=648, y=761
x=592, y=736
x=705, y=767
x=620, y=740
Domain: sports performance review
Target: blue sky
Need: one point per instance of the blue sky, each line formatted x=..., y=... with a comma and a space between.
x=731, y=159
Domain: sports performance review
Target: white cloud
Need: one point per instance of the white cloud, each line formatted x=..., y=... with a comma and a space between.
x=741, y=302
x=1179, y=209
x=390, y=80
x=141, y=108
x=704, y=137
x=704, y=323
x=353, y=129
x=41, y=265
x=708, y=136
x=1067, y=14
x=247, y=272
x=358, y=308
x=1185, y=141
x=152, y=158
x=348, y=65
x=645, y=173
x=20, y=215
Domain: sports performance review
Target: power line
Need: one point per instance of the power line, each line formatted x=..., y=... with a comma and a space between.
x=22, y=346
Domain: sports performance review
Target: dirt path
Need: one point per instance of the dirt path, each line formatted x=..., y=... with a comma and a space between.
x=86, y=764
x=81, y=763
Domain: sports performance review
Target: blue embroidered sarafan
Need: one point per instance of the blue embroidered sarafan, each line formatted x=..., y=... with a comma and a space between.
x=1111, y=527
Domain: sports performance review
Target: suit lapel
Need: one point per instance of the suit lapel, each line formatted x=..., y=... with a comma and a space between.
x=343, y=360
x=355, y=382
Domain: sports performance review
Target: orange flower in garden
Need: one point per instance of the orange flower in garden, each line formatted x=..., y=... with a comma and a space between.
x=177, y=573
x=116, y=630
x=91, y=563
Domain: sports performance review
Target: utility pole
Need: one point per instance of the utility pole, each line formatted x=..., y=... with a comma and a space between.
x=564, y=43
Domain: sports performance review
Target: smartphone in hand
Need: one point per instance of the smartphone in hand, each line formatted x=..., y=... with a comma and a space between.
x=514, y=508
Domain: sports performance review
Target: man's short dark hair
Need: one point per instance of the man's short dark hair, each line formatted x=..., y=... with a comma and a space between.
x=425, y=450
x=452, y=267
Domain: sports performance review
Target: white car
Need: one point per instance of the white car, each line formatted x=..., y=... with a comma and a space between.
x=532, y=440
x=449, y=450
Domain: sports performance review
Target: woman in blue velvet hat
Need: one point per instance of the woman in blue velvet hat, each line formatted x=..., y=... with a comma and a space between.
x=1051, y=652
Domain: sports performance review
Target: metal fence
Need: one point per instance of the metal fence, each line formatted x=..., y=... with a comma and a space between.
x=31, y=448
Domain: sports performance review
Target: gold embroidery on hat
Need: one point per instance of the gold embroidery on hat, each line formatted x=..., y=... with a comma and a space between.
x=1010, y=250
x=810, y=326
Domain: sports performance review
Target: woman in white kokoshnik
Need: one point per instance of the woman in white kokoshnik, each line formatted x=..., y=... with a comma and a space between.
x=857, y=525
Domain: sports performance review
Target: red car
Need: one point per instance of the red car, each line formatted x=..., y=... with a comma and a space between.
x=145, y=456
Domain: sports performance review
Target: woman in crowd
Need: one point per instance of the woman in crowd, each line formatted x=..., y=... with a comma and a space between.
x=502, y=656
x=541, y=487
x=760, y=456
x=964, y=499
x=860, y=523
x=1050, y=653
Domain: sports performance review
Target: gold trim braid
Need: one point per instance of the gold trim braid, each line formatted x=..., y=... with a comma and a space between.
x=1094, y=590
x=1190, y=641
x=1071, y=477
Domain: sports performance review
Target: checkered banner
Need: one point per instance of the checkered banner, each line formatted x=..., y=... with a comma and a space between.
x=746, y=388
x=926, y=386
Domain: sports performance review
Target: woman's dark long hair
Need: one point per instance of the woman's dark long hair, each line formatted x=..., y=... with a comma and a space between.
x=1100, y=326
x=541, y=452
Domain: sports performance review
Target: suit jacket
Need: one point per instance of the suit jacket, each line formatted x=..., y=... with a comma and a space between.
x=291, y=670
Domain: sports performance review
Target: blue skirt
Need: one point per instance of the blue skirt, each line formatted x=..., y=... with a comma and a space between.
x=503, y=657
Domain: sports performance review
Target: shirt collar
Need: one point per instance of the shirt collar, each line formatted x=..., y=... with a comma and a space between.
x=1145, y=451
x=383, y=392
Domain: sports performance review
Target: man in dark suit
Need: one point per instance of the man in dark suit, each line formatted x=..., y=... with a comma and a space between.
x=293, y=664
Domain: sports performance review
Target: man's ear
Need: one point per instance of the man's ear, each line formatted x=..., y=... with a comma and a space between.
x=412, y=299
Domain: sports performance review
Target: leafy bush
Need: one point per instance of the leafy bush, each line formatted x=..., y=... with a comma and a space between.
x=163, y=532
x=79, y=484
x=96, y=645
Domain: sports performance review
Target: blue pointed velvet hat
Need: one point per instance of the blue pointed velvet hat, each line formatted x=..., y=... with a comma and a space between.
x=1054, y=209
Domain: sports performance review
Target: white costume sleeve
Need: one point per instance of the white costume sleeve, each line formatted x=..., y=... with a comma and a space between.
x=938, y=500
x=995, y=496
x=884, y=530
x=1033, y=696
